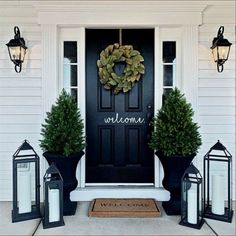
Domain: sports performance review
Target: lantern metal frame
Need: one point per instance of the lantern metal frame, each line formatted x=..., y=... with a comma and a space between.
x=190, y=178
x=19, y=159
x=208, y=158
x=17, y=42
x=52, y=178
x=218, y=42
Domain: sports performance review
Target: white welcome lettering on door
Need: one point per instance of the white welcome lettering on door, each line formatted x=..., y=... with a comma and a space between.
x=124, y=120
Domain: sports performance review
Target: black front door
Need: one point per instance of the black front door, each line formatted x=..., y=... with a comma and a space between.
x=117, y=126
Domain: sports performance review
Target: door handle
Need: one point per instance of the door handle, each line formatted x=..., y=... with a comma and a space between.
x=149, y=123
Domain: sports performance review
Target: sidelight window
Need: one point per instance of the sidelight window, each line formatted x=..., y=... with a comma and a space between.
x=70, y=67
x=169, y=66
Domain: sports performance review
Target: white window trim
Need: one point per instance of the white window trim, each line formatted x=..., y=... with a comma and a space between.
x=53, y=17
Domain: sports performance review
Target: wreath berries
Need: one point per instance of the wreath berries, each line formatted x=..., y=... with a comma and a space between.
x=133, y=70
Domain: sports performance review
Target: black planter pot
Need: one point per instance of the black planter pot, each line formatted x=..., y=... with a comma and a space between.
x=174, y=168
x=67, y=167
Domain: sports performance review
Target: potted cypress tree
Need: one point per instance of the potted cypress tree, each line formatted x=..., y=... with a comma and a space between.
x=63, y=143
x=176, y=140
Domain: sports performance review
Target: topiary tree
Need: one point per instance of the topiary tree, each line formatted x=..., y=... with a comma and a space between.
x=63, y=129
x=175, y=133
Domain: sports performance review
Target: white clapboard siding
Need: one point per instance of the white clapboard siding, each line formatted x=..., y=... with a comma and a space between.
x=18, y=138
x=216, y=93
x=207, y=120
x=20, y=119
x=20, y=94
x=32, y=64
x=216, y=110
x=216, y=82
x=22, y=82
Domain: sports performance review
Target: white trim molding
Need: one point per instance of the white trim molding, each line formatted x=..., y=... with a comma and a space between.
x=130, y=14
x=136, y=13
x=89, y=193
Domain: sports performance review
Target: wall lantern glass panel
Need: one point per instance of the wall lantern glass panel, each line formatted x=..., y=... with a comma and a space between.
x=26, y=186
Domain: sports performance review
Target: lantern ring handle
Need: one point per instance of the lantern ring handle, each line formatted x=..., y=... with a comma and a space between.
x=17, y=32
x=220, y=67
x=18, y=68
x=220, y=32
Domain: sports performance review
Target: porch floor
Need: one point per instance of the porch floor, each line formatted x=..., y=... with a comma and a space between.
x=81, y=224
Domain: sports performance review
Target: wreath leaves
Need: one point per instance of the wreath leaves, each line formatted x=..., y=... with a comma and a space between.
x=133, y=70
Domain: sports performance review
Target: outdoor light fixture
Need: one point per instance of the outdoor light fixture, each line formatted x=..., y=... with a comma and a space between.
x=191, y=198
x=217, y=183
x=26, y=186
x=17, y=50
x=53, y=198
x=220, y=49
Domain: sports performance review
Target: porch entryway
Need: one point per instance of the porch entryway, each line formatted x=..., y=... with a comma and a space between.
x=118, y=126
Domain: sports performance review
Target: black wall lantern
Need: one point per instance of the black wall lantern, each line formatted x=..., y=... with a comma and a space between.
x=217, y=183
x=192, y=198
x=53, y=198
x=26, y=186
x=17, y=50
x=220, y=49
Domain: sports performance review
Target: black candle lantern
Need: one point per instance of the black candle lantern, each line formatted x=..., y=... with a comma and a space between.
x=17, y=49
x=191, y=198
x=217, y=183
x=26, y=186
x=53, y=198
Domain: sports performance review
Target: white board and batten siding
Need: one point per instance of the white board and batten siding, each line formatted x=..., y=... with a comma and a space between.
x=22, y=104
x=216, y=91
x=20, y=94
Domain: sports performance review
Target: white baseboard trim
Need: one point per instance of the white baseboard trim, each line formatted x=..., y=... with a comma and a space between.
x=90, y=193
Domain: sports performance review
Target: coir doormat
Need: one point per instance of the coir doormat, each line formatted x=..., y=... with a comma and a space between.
x=138, y=207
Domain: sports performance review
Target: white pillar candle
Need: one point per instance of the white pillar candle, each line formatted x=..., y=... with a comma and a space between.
x=54, y=208
x=24, y=192
x=218, y=206
x=192, y=206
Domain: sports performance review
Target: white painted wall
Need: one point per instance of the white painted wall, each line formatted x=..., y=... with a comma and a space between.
x=20, y=94
x=22, y=104
x=216, y=91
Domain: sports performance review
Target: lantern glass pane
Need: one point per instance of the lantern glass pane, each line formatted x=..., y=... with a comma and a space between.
x=15, y=53
x=26, y=192
x=214, y=53
x=223, y=52
x=218, y=186
x=22, y=54
x=54, y=202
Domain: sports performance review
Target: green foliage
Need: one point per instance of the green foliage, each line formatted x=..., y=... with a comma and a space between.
x=132, y=73
x=175, y=133
x=63, y=129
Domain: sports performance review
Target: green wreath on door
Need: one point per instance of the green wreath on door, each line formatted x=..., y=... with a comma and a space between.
x=132, y=72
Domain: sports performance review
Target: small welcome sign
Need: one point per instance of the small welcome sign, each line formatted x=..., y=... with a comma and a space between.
x=124, y=120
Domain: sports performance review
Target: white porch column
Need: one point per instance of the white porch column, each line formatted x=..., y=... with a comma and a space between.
x=190, y=64
x=49, y=72
x=190, y=67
